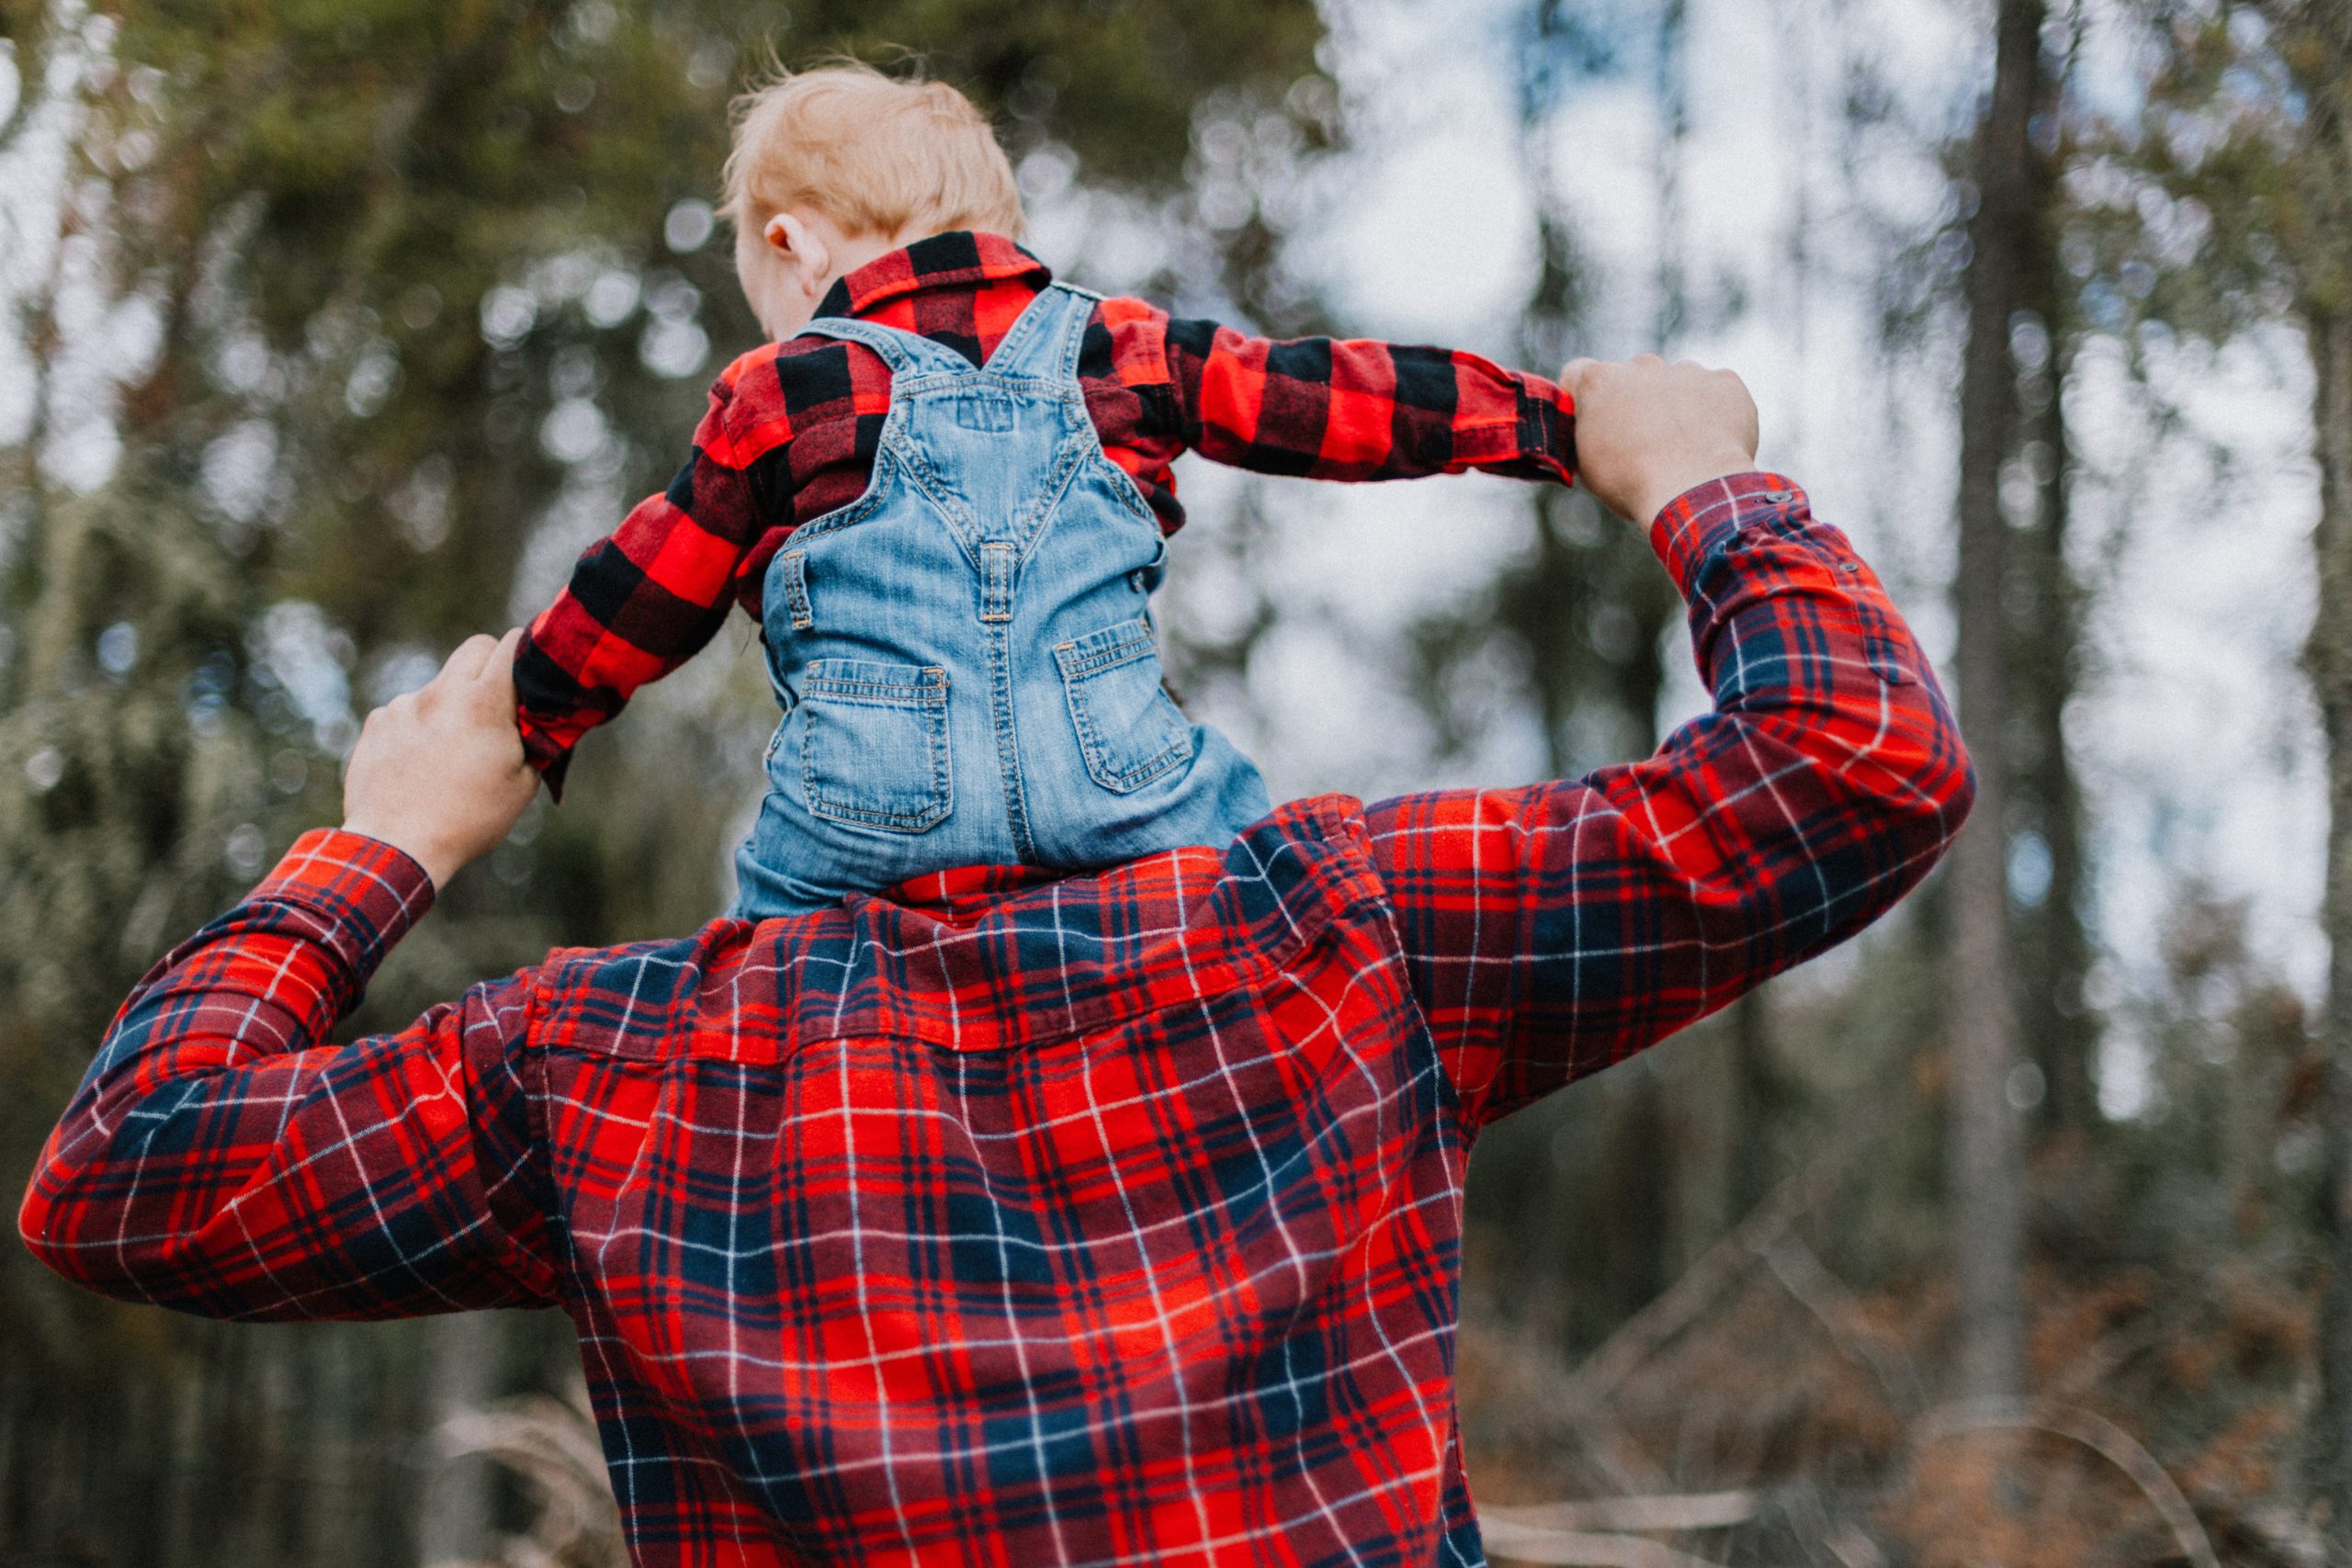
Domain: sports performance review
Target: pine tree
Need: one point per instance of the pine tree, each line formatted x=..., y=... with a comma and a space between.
x=430, y=286
x=1988, y=1177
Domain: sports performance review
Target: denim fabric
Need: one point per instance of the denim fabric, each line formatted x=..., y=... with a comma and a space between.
x=965, y=654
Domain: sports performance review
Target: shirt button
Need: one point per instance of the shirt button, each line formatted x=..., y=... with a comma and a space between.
x=1779, y=497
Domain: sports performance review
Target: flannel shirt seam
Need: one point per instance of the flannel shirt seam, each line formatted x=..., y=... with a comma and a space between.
x=1254, y=970
x=531, y=1072
x=1453, y=1102
x=1496, y=1095
x=1327, y=823
x=1471, y=1099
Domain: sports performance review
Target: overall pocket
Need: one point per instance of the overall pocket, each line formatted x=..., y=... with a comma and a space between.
x=1128, y=730
x=874, y=744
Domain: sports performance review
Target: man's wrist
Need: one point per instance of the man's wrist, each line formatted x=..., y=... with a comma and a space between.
x=1675, y=482
x=436, y=860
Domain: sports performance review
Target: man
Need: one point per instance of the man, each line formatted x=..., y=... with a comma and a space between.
x=1005, y=1219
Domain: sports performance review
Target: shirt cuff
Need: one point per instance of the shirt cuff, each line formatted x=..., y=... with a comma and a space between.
x=365, y=893
x=1695, y=523
x=1547, y=428
x=550, y=757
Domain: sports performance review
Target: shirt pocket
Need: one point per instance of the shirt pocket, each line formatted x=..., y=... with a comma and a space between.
x=1128, y=730
x=874, y=744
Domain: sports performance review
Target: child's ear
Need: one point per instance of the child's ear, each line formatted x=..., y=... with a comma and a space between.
x=795, y=241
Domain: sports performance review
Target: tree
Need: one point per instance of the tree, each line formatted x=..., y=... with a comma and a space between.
x=1987, y=1182
x=1586, y=1184
x=2246, y=148
x=2047, y=607
x=2312, y=218
x=430, y=290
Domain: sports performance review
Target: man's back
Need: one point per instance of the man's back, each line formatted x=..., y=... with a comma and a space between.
x=1110, y=1219
x=1095, y=1219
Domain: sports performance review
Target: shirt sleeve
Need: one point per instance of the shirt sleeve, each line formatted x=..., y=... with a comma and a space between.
x=1355, y=409
x=644, y=599
x=222, y=1159
x=1554, y=930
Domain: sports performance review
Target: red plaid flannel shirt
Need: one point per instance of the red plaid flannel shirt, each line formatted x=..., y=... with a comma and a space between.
x=1004, y=1220
x=793, y=426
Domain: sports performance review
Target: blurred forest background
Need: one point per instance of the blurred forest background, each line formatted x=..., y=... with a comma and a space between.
x=336, y=327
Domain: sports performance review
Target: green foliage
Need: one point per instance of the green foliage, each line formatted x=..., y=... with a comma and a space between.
x=322, y=200
x=2220, y=206
x=131, y=764
x=386, y=241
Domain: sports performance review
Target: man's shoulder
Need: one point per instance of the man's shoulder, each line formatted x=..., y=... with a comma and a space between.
x=1046, y=960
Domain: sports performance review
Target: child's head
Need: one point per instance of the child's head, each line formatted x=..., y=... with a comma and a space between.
x=835, y=165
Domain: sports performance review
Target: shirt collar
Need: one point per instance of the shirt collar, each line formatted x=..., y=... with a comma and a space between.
x=962, y=258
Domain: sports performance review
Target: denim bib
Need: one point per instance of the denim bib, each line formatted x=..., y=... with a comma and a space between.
x=965, y=653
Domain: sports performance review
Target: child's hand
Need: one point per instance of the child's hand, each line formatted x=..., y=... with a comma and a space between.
x=1648, y=431
x=439, y=773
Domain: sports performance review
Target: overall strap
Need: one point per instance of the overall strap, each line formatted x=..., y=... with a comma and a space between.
x=1044, y=343
x=903, y=351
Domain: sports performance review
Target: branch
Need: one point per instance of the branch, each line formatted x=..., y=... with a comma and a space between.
x=1688, y=1511
x=1546, y=1411
x=1521, y=1544
x=2095, y=1432
x=1640, y=1336
x=1809, y=1281
x=1576, y=1401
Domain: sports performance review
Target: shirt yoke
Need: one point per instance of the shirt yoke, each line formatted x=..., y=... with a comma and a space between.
x=1058, y=960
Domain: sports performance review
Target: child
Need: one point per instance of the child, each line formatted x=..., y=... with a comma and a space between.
x=944, y=492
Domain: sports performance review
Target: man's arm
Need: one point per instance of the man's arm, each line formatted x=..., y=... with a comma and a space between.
x=1357, y=410
x=644, y=599
x=222, y=1159
x=1552, y=930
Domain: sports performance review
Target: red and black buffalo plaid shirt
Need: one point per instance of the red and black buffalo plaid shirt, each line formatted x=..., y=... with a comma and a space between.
x=1002, y=1220
x=793, y=427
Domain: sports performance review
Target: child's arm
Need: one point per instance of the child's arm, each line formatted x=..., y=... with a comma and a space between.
x=1355, y=409
x=643, y=600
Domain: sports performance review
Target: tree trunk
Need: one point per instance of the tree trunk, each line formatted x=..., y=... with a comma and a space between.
x=456, y=1519
x=2316, y=44
x=1756, y=1105
x=2059, y=1034
x=1987, y=1187
x=2331, y=664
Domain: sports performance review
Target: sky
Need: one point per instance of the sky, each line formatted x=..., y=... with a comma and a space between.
x=2196, y=738
x=2195, y=734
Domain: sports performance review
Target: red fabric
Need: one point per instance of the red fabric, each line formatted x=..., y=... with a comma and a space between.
x=1006, y=1219
x=793, y=427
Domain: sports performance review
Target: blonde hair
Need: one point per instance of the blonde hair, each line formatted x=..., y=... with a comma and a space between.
x=876, y=155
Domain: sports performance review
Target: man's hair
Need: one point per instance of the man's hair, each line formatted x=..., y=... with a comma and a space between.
x=876, y=155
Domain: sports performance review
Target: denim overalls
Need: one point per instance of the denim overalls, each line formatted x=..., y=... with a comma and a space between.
x=967, y=673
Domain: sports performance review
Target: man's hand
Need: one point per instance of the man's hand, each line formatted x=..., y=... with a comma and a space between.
x=439, y=773
x=1648, y=431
